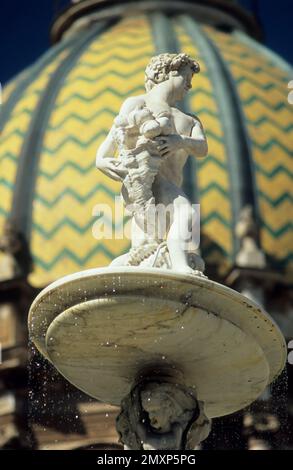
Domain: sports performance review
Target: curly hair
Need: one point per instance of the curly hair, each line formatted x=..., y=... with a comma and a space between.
x=162, y=66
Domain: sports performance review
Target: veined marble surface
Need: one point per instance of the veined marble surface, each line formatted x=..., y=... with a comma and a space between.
x=103, y=327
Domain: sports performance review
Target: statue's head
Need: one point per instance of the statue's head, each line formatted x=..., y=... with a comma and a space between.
x=179, y=68
x=166, y=405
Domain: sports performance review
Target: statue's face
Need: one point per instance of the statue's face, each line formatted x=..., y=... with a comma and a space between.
x=160, y=409
x=182, y=82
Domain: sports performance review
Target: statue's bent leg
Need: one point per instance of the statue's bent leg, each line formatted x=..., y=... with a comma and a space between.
x=180, y=235
x=183, y=224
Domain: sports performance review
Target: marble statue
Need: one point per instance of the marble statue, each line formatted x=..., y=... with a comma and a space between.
x=154, y=139
x=151, y=333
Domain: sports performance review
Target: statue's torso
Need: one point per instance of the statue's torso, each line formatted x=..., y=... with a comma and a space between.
x=180, y=123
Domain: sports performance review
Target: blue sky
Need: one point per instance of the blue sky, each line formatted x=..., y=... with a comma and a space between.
x=25, y=24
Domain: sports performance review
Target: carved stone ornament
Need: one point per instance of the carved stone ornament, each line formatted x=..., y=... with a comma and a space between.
x=10, y=248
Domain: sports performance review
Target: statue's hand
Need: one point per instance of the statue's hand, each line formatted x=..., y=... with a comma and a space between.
x=112, y=168
x=168, y=144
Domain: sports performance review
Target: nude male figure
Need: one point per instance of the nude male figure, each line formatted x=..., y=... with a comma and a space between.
x=168, y=79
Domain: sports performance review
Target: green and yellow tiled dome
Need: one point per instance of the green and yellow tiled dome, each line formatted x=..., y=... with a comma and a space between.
x=57, y=112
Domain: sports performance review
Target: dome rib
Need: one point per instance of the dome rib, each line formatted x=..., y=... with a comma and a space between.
x=32, y=73
x=262, y=89
x=66, y=227
x=258, y=47
x=211, y=61
x=21, y=213
x=237, y=142
x=164, y=36
x=213, y=171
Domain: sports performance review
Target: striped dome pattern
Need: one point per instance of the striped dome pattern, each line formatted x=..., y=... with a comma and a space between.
x=58, y=111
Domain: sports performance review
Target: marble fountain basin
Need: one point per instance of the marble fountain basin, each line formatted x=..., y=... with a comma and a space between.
x=102, y=328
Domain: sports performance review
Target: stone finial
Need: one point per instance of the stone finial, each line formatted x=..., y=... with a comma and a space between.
x=249, y=255
x=14, y=255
